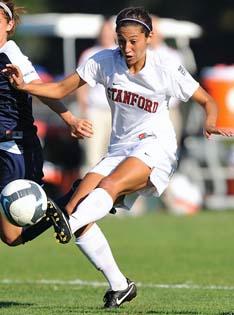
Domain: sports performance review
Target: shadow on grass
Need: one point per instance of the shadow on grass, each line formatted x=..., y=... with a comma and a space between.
x=8, y=304
x=69, y=310
x=174, y=312
x=126, y=311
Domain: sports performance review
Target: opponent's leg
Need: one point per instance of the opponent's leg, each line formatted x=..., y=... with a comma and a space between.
x=33, y=231
x=9, y=233
x=14, y=166
x=11, y=168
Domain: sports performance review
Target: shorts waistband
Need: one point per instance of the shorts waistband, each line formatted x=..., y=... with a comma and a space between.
x=8, y=135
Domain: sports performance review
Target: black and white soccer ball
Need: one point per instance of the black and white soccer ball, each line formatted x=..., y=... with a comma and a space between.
x=23, y=202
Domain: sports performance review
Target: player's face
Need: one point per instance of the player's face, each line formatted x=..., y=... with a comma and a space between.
x=5, y=27
x=133, y=43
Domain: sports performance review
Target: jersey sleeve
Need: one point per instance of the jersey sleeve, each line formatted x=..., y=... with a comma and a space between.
x=19, y=59
x=181, y=84
x=92, y=70
x=29, y=72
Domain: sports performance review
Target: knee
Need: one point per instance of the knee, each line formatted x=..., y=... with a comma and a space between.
x=109, y=185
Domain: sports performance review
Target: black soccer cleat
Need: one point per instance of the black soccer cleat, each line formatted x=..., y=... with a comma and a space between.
x=114, y=299
x=60, y=222
x=113, y=210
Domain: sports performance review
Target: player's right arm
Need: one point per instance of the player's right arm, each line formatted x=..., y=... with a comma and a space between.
x=54, y=90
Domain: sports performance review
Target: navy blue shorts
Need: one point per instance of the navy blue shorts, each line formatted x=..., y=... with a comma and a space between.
x=27, y=165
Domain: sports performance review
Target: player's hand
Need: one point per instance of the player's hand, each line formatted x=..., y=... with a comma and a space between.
x=209, y=130
x=81, y=128
x=14, y=75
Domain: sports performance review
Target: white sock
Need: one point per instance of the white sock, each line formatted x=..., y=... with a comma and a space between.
x=96, y=248
x=94, y=207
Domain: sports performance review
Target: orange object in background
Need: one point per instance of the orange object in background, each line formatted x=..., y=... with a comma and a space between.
x=59, y=178
x=230, y=186
x=223, y=93
x=219, y=82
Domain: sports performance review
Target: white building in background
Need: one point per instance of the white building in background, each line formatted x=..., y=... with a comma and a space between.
x=71, y=27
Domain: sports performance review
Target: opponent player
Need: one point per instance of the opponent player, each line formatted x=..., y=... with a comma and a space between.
x=142, y=152
x=20, y=149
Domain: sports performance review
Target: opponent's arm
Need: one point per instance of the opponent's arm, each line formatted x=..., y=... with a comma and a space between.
x=54, y=90
x=207, y=102
x=79, y=128
x=82, y=100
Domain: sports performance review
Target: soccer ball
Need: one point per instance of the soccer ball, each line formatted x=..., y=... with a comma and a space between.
x=23, y=202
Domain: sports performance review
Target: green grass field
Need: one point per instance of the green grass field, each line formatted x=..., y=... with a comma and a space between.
x=182, y=265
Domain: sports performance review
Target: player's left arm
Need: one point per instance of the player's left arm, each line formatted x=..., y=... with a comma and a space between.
x=207, y=102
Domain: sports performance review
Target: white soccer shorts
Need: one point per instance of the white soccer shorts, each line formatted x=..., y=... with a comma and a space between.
x=162, y=161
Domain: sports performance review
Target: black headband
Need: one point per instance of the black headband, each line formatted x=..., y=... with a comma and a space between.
x=135, y=20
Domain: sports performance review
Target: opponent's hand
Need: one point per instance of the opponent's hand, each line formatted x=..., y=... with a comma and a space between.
x=209, y=130
x=14, y=75
x=81, y=128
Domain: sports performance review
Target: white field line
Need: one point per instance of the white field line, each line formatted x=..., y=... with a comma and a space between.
x=79, y=282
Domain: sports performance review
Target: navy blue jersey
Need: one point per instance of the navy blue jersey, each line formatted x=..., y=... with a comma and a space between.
x=19, y=158
x=16, y=106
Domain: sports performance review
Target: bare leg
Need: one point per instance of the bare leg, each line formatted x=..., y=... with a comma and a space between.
x=10, y=234
x=89, y=183
x=92, y=242
x=129, y=176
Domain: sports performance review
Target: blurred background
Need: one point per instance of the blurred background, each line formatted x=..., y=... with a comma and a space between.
x=56, y=35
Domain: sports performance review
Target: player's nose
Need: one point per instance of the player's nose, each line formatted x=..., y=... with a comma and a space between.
x=127, y=48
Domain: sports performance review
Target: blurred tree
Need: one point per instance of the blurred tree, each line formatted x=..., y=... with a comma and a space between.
x=34, y=6
x=215, y=17
x=88, y=6
x=35, y=47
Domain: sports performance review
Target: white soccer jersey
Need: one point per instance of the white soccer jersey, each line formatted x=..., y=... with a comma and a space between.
x=174, y=57
x=96, y=95
x=139, y=102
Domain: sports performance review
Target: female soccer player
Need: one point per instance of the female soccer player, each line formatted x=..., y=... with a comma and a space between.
x=20, y=149
x=142, y=152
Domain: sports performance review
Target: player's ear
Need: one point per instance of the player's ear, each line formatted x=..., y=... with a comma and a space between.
x=116, y=40
x=149, y=37
x=10, y=25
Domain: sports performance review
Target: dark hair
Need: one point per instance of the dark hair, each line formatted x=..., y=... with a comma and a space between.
x=135, y=15
x=16, y=11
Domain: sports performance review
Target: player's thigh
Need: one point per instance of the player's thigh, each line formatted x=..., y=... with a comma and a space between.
x=88, y=183
x=130, y=175
x=33, y=164
x=11, y=167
